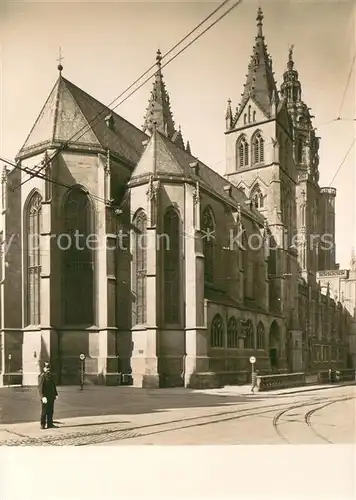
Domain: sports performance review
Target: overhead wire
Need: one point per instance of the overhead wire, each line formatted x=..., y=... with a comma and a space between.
x=347, y=83
x=102, y=113
x=343, y=161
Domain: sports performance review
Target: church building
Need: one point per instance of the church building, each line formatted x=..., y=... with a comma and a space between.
x=120, y=244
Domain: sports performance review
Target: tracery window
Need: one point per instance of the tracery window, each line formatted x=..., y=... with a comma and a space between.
x=140, y=268
x=217, y=331
x=232, y=333
x=257, y=197
x=208, y=228
x=242, y=152
x=257, y=149
x=260, y=334
x=33, y=231
x=171, y=267
x=78, y=259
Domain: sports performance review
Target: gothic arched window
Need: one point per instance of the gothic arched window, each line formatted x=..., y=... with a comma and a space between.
x=208, y=228
x=260, y=334
x=249, y=114
x=33, y=231
x=249, y=341
x=140, y=267
x=232, y=333
x=254, y=116
x=78, y=254
x=171, y=267
x=242, y=152
x=257, y=149
x=257, y=197
x=217, y=331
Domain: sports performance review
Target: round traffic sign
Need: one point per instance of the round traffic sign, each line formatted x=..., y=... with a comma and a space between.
x=252, y=359
x=82, y=357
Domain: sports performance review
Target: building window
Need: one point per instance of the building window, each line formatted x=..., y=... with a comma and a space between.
x=260, y=334
x=245, y=119
x=140, y=268
x=33, y=230
x=208, y=228
x=232, y=333
x=171, y=258
x=249, y=340
x=257, y=149
x=257, y=197
x=78, y=259
x=217, y=331
x=249, y=114
x=254, y=116
x=242, y=152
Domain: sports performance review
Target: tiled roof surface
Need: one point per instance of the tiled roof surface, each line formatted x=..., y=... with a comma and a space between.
x=69, y=115
x=164, y=157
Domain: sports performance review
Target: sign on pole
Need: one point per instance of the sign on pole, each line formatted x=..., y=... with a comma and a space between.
x=82, y=358
x=252, y=360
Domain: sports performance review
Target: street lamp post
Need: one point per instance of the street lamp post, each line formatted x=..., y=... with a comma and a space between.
x=82, y=369
x=9, y=369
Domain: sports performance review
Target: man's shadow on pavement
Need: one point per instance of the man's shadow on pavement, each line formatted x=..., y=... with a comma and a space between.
x=63, y=425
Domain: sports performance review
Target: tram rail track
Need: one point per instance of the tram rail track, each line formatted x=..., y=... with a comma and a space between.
x=307, y=416
x=104, y=435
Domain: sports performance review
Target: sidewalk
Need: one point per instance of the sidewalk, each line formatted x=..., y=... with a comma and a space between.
x=246, y=389
x=82, y=430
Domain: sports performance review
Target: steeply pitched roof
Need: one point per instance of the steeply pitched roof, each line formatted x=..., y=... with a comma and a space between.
x=164, y=158
x=260, y=83
x=70, y=115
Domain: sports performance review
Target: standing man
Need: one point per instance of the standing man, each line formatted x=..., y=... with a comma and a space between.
x=48, y=392
x=254, y=380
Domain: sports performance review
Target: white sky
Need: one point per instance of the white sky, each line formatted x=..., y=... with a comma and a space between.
x=107, y=45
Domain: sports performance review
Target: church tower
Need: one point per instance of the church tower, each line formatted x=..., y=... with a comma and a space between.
x=309, y=200
x=259, y=146
x=259, y=143
x=260, y=161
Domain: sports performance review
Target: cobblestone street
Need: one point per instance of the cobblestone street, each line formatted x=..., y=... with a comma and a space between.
x=112, y=416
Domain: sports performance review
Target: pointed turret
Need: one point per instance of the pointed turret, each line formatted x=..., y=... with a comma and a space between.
x=188, y=150
x=260, y=83
x=177, y=138
x=291, y=89
x=159, y=110
x=228, y=115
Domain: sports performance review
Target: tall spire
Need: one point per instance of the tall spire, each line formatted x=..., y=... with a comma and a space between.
x=260, y=83
x=158, y=110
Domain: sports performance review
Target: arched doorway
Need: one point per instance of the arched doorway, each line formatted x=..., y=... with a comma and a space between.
x=274, y=345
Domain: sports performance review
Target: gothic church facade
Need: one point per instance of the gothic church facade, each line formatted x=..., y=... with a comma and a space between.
x=118, y=243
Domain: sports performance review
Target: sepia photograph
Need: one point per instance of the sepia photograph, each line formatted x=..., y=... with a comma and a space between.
x=178, y=229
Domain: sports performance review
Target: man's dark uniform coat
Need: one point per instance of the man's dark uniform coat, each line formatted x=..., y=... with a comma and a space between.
x=47, y=388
